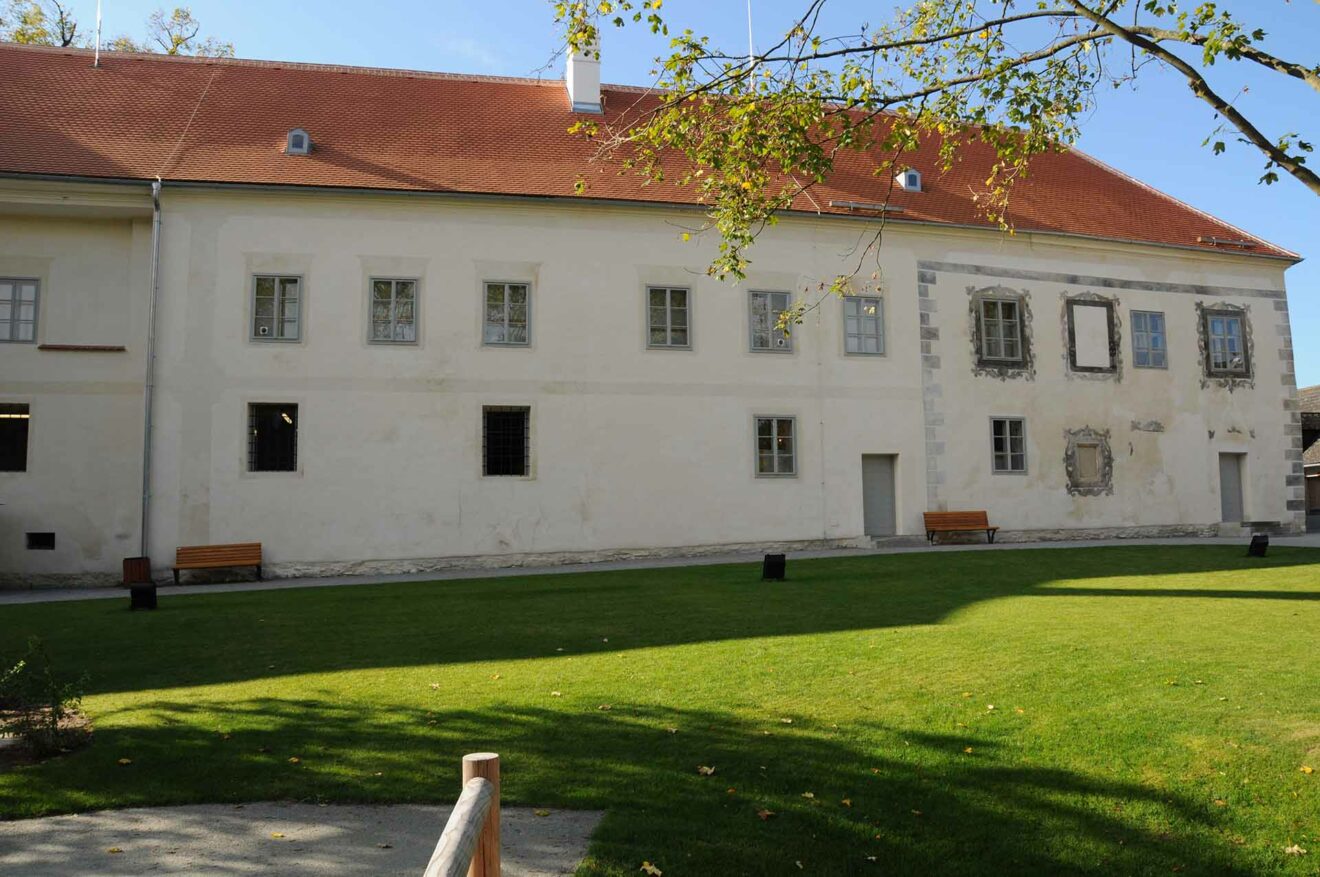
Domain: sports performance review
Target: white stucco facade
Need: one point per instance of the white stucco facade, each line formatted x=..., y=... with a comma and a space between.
x=631, y=449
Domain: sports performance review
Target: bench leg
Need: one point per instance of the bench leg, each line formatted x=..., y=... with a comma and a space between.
x=259, y=578
x=990, y=536
x=176, y=576
x=930, y=537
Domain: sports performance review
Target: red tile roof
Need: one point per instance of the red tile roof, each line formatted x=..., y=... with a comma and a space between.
x=225, y=121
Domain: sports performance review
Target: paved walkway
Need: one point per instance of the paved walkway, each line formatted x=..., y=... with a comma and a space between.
x=291, y=840
x=904, y=546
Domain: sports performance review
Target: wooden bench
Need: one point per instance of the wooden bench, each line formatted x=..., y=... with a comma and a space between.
x=217, y=557
x=958, y=522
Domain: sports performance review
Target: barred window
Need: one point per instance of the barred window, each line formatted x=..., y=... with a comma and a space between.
x=272, y=437
x=506, y=440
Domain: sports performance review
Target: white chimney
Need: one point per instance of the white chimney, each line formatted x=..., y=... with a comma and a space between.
x=583, y=80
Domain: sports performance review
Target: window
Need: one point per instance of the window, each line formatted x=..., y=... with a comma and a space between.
x=1001, y=330
x=1148, y=343
x=776, y=450
x=394, y=311
x=18, y=310
x=508, y=309
x=14, y=420
x=667, y=317
x=298, y=143
x=766, y=308
x=1226, y=348
x=276, y=308
x=1091, y=335
x=910, y=180
x=506, y=440
x=1008, y=444
x=272, y=437
x=40, y=541
x=864, y=324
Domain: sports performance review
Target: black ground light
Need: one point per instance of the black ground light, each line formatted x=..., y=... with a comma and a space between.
x=137, y=578
x=772, y=568
x=1259, y=543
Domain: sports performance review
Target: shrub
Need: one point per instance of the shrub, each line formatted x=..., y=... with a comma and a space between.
x=36, y=705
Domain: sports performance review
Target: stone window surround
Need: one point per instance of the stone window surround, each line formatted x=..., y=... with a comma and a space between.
x=1111, y=305
x=1026, y=367
x=1104, y=484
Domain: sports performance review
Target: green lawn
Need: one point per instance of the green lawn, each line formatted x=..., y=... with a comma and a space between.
x=1152, y=708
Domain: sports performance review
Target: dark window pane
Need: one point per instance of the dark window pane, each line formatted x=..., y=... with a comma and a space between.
x=272, y=438
x=14, y=420
x=505, y=441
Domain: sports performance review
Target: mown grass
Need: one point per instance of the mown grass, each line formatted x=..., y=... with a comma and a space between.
x=1152, y=708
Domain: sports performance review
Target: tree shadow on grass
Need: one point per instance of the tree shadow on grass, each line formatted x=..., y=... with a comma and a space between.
x=204, y=639
x=903, y=802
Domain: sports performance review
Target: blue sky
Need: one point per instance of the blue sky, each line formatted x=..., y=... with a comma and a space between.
x=1153, y=133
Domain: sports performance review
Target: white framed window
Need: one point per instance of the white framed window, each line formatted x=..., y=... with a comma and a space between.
x=1008, y=445
x=1001, y=330
x=1226, y=346
x=298, y=142
x=508, y=312
x=765, y=309
x=393, y=311
x=864, y=324
x=668, y=317
x=776, y=445
x=1149, y=344
x=276, y=307
x=18, y=309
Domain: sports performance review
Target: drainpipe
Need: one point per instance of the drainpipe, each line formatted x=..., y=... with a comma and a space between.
x=149, y=384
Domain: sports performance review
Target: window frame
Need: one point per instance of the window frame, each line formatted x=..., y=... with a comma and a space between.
x=996, y=419
x=251, y=445
x=983, y=356
x=394, y=320
x=277, y=321
x=526, y=410
x=1146, y=332
x=1111, y=329
x=485, y=292
x=787, y=347
x=26, y=416
x=15, y=300
x=669, y=290
x=1209, y=315
x=880, y=325
x=775, y=420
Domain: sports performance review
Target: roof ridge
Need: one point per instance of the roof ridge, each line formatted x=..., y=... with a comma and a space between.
x=1181, y=203
x=261, y=63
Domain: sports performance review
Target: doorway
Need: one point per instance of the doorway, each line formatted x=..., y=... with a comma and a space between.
x=1230, y=487
x=878, y=515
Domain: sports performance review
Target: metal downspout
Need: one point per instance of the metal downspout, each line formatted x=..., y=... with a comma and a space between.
x=149, y=384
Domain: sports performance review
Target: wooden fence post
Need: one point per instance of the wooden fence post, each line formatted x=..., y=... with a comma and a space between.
x=486, y=860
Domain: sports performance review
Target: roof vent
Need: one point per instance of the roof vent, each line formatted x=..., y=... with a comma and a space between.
x=299, y=143
x=909, y=180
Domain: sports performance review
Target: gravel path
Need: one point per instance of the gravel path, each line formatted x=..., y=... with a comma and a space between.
x=291, y=840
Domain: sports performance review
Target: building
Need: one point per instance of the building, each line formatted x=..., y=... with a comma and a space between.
x=1309, y=399
x=388, y=336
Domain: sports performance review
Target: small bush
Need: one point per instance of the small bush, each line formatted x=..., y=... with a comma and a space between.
x=37, y=706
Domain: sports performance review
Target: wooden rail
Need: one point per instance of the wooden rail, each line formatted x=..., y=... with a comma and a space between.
x=470, y=843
